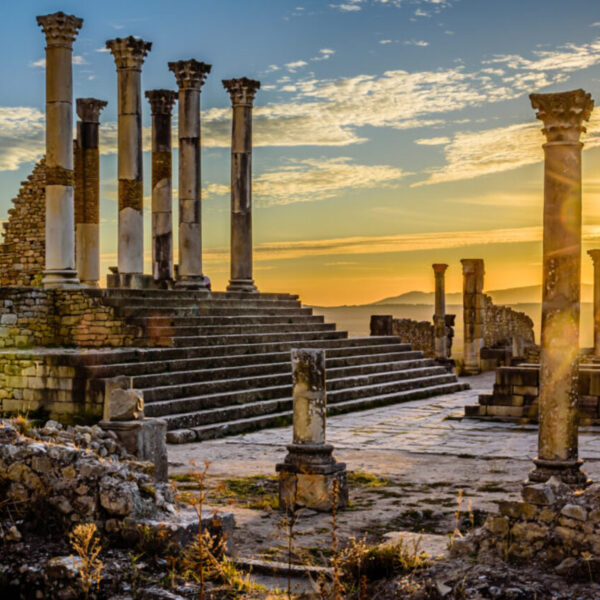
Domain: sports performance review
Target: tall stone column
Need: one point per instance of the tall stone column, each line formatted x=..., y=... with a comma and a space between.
x=60, y=31
x=562, y=115
x=87, y=192
x=190, y=76
x=242, y=93
x=595, y=256
x=129, y=54
x=307, y=474
x=161, y=102
x=439, y=318
x=473, y=272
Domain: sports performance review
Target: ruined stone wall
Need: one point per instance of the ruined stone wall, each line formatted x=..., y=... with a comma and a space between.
x=501, y=324
x=22, y=253
x=36, y=317
x=419, y=334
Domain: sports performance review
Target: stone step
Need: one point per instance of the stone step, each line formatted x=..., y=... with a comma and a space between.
x=275, y=368
x=179, y=391
x=185, y=413
x=209, y=364
x=240, y=320
x=284, y=417
x=293, y=337
x=228, y=330
x=180, y=311
x=203, y=303
x=178, y=293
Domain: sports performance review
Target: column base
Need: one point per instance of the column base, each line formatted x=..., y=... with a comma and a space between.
x=192, y=282
x=64, y=279
x=93, y=285
x=568, y=471
x=131, y=281
x=306, y=478
x=242, y=285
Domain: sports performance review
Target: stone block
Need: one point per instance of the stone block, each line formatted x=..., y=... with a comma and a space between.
x=539, y=494
x=574, y=511
x=125, y=405
x=312, y=490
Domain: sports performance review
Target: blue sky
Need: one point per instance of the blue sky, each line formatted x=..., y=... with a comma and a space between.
x=389, y=134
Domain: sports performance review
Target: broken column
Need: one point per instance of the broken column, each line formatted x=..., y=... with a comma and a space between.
x=190, y=76
x=60, y=31
x=562, y=115
x=129, y=54
x=473, y=308
x=307, y=474
x=439, y=318
x=595, y=256
x=242, y=93
x=87, y=192
x=161, y=102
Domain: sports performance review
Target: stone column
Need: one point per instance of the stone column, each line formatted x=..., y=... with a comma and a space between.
x=595, y=256
x=473, y=272
x=242, y=93
x=60, y=31
x=190, y=76
x=161, y=102
x=439, y=318
x=562, y=115
x=129, y=54
x=307, y=474
x=87, y=192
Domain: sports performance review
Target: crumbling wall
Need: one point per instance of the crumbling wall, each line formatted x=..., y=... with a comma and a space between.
x=23, y=251
x=502, y=324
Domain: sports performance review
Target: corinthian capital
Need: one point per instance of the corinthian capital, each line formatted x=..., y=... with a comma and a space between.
x=439, y=268
x=242, y=90
x=161, y=101
x=60, y=29
x=563, y=114
x=88, y=109
x=190, y=74
x=129, y=52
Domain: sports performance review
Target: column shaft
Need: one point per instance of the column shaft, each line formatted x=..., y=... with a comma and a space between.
x=439, y=318
x=473, y=272
x=557, y=444
x=595, y=255
x=60, y=31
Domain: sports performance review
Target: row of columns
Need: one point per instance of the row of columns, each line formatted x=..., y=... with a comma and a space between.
x=72, y=208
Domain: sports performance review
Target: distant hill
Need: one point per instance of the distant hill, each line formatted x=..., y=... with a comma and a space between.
x=520, y=295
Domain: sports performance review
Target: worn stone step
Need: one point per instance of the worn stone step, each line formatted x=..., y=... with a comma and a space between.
x=284, y=417
x=182, y=413
x=204, y=303
x=363, y=355
x=190, y=331
x=225, y=320
x=274, y=368
x=179, y=293
x=134, y=310
x=293, y=337
x=179, y=391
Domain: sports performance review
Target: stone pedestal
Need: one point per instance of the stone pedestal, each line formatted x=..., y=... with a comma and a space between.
x=161, y=102
x=473, y=308
x=562, y=115
x=190, y=76
x=309, y=470
x=381, y=325
x=129, y=54
x=242, y=93
x=60, y=31
x=439, y=317
x=87, y=192
x=595, y=256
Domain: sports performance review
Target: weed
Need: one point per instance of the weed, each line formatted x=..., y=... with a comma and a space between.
x=367, y=480
x=85, y=542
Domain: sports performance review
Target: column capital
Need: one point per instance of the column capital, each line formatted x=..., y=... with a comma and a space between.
x=242, y=90
x=88, y=109
x=563, y=114
x=161, y=101
x=595, y=256
x=60, y=29
x=439, y=268
x=190, y=74
x=472, y=265
x=129, y=52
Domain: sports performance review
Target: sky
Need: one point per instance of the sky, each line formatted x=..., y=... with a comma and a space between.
x=388, y=134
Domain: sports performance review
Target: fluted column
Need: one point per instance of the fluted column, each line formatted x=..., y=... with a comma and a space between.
x=60, y=31
x=473, y=272
x=595, y=256
x=87, y=192
x=129, y=54
x=161, y=103
x=439, y=318
x=190, y=76
x=562, y=115
x=242, y=92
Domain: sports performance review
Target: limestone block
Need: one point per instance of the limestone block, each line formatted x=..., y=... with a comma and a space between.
x=312, y=490
x=125, y=405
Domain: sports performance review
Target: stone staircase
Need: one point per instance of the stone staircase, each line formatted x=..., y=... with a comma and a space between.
x=223, y=365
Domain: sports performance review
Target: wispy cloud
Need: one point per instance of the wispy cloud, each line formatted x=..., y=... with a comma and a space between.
x=292, y=67
x=421, y=43
x=434, y=141
x=22, y=132
x=324, y=54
